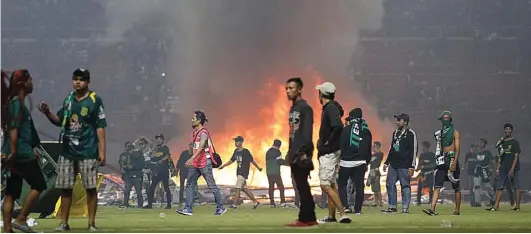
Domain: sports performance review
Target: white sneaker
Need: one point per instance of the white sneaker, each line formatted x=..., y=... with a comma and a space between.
x=345, y=219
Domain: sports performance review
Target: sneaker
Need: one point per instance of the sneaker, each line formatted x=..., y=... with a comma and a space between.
x=357, y=213
x=63, y=227
x=429, y=212
x=327, y=219
x=456, y=213
x=491, y=209
x=405, y=211
x=516, y=209
x=298, y=223
x=220, y=211
x=322, y=206
x=256, y=205
x=92, y=229
x=348, y=211
x=273, y=206
x=184, y=211
x=233, y=207
x=389, y=211
x=122, y=207
x=22, y=227
x=345, y=219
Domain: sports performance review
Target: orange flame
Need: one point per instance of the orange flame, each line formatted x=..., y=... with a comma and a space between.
x=258, y=139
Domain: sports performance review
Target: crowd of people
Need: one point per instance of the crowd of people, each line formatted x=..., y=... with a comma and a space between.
x=345, y=151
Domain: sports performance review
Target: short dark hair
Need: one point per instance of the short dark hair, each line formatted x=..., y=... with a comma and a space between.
x=377, y=143
x=201, y=116
x=277, y=143
x=426, y=144
x=483, y=140
x=508, y=125
x=297, y=81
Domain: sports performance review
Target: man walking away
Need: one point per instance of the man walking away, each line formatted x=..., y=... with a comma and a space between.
x=373, y=180
x=446, y=160
x=244, y=159
x=356, y=143
x=328, y=152
x=201, y=164
x=160, y=171
x=300, y=151
x=401, y=164
x=508, y=168
x=273, y=162
x=18, y=157
x=426, y=167
x=131, y=164
x=482, y=173
x=82, y=121
x=470, y=167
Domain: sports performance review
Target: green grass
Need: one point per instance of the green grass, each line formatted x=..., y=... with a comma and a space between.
x=265, y=219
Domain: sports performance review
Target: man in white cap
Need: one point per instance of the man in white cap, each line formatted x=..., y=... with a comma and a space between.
x=328, y=151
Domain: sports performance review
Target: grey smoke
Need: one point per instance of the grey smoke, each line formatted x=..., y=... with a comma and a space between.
x=225, y=49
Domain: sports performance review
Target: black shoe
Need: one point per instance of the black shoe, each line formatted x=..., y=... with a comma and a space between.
x=429, y=212
x=516, y=209
x=327, y=220
x=389, y=211
x=456, y=213
x=147, y=207
x=491, y=209
x=168, y=207
x=256, y=205
x=63, y=227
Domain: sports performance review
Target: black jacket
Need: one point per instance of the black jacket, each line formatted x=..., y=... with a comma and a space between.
x=300, y=132
x=350, y=152
x=404, y=158
x=330, y=130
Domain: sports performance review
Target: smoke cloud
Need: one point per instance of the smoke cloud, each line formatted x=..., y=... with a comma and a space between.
x=223, y=51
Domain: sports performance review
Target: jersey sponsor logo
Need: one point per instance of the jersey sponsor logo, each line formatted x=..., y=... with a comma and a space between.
x=75, y=125
x=101, y=114
x=84, y=111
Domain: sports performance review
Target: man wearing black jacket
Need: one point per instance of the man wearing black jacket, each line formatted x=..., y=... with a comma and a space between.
x=356, y=149
x=328, y=150
x=300, y=151
x=401, y=163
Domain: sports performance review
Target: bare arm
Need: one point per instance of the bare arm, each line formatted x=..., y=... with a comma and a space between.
x=515, y=160
x=102, y=144
x=226, y=164
x=13, y=138
x=457, y=148
x=54, y=119
x=256, y=165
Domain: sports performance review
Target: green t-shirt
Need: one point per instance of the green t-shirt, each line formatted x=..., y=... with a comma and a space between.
x=80, y=140
x=484, y=158
x=272, y=164
x=24, y=124
x=509, y=149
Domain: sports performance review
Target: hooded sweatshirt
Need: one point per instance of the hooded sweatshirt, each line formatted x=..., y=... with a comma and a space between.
x=331, y=127
x=300, y=129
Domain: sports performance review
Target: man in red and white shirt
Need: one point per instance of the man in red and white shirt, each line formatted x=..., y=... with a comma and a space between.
x=200, y=164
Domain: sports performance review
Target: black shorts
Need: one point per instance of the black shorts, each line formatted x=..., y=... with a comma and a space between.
x=428, y=180
x=30, y=172
x=441, y=176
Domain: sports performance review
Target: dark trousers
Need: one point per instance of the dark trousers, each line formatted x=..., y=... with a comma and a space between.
x=155, y=180
x=182, y=186
x=357, y=175
x=133, y=179
x=275, y=179
x=307, y=205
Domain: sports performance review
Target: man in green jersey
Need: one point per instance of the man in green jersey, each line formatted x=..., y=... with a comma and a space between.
x=18, y=158
x=82, y=121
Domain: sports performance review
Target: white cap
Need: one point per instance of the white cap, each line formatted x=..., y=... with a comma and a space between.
x=326, y=88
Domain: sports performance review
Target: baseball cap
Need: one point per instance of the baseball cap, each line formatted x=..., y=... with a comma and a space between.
x=83, y=73
x=403, y=116
x=159, y=136
x=354, y=113
x=238, y=138
x=326, y=88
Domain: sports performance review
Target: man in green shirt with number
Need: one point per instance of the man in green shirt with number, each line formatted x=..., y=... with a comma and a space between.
x=82, y=121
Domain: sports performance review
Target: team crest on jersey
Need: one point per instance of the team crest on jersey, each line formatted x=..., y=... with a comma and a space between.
x=84, y=111
x=75, y=125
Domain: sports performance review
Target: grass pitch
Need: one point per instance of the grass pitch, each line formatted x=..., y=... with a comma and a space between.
x=266, y=219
